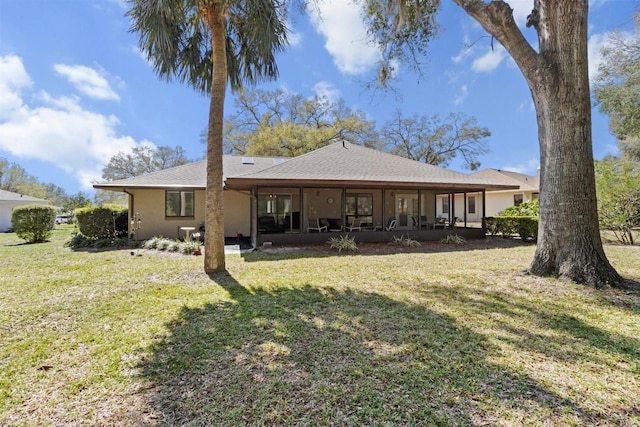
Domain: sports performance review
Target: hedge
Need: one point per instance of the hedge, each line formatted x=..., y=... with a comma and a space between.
x=524, y=226
x=102, y=222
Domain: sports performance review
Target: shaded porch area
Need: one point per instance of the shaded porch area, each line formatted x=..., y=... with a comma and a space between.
x=312, y=215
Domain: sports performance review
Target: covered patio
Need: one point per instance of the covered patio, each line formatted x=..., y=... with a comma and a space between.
x=349, y=189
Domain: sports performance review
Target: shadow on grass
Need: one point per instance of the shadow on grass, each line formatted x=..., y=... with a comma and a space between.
x=312, y=356
x=381, y=248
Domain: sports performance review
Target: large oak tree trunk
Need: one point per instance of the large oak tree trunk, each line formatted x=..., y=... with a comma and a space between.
x=214, y=260
x=569, y=244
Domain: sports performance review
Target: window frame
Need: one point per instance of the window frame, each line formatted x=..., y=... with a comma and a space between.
x=515, y=201
x=471, y=204
x=182, y=205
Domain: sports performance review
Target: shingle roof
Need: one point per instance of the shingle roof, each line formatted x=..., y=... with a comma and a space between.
x=344, y=162
x=9, y=196
x=525, y=182
x=193, y=175
x=334, y=164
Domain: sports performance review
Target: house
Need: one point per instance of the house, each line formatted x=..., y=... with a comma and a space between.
x=9, y=201
x=341, y=187
x=498, y=200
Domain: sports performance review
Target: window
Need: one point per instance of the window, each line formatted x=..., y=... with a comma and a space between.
x=359, y=204
x=445, y=205
x=179, y=204
x=517, y=199
x=472, y=204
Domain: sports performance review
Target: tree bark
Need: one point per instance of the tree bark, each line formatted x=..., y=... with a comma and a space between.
x=569, y=243
x=214, y=260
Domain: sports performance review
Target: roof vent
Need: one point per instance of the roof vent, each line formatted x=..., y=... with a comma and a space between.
x=247, y=160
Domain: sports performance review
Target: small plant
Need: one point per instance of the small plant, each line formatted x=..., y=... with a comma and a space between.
x=190, y=247
x=454, y=239
x=404, y=241
x=152, y=243
x=344, y=242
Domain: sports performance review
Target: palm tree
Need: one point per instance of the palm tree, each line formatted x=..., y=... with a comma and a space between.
x=206, y=44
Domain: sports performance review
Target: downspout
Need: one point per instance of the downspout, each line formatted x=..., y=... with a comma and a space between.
x=131, y=210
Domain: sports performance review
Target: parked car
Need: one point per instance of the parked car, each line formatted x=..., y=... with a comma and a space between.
x=62, y=219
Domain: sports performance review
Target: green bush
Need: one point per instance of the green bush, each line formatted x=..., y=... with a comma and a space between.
x=524, y=226
x=507, y=226
x=33, y=223
x=102, y=222
x=528, y=228
x=491, y=224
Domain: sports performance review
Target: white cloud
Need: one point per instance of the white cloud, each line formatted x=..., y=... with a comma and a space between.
x=340, y=23
x=529, y=167
x=327, y=90
x=521, y=9
x=599, y=41
x=56, y=130
x=13, y=77
x=88, y=81
x=490, y=60
x=462, y=95
x=294, y=37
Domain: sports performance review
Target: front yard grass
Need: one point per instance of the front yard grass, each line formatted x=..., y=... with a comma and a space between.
x=438, y=335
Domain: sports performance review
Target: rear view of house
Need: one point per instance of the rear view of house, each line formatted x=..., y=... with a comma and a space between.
x=339, y=188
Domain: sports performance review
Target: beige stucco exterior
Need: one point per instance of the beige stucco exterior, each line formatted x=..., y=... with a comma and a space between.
x=149, y=206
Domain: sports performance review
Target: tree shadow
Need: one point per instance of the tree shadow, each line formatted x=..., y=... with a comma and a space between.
x=379, y=248
x=319, y=356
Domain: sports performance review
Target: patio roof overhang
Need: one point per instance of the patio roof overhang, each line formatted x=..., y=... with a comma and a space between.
x=249, y=183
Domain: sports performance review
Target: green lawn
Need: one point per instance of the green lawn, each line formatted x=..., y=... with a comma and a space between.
x=442, y=335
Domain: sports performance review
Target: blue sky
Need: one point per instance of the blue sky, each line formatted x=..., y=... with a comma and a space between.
x=75, y=90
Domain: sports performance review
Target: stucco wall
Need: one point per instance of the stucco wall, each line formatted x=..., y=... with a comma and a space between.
x=149, y=204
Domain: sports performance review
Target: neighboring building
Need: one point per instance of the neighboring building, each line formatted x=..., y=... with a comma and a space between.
x=340, y=187
x=9, y=201
x=498, y=200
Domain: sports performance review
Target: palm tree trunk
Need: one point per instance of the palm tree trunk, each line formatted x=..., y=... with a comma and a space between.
x=214, y=260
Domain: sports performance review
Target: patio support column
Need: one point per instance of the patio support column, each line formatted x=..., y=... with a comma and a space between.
x=464, y=208
x=484, y=209
x=253, y=217
x=452, y=205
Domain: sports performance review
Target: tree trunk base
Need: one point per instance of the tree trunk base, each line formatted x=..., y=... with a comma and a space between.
x=587, y=268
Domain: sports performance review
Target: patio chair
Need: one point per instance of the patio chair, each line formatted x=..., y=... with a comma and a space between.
x=356, y=224
x=314, y=225
x=391, y=224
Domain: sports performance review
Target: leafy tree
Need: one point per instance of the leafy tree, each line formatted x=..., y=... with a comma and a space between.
x=208, y=44
x=143, y=160
x=436, y=141
x=618, y=186
x=279, y=123
x=617, y=88
x=104, y=197
x=555, y=69
x=15, y=178
x=79, y=200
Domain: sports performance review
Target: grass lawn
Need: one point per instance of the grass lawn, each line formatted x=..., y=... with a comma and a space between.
x=441, y=335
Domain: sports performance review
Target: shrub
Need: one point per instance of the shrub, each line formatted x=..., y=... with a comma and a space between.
x=102, y=222
x=404, y=241
x=491, y=224
x=33, y=223
x=528, y=228
x=344, y=242
x=454, y=239
x=524, y=209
